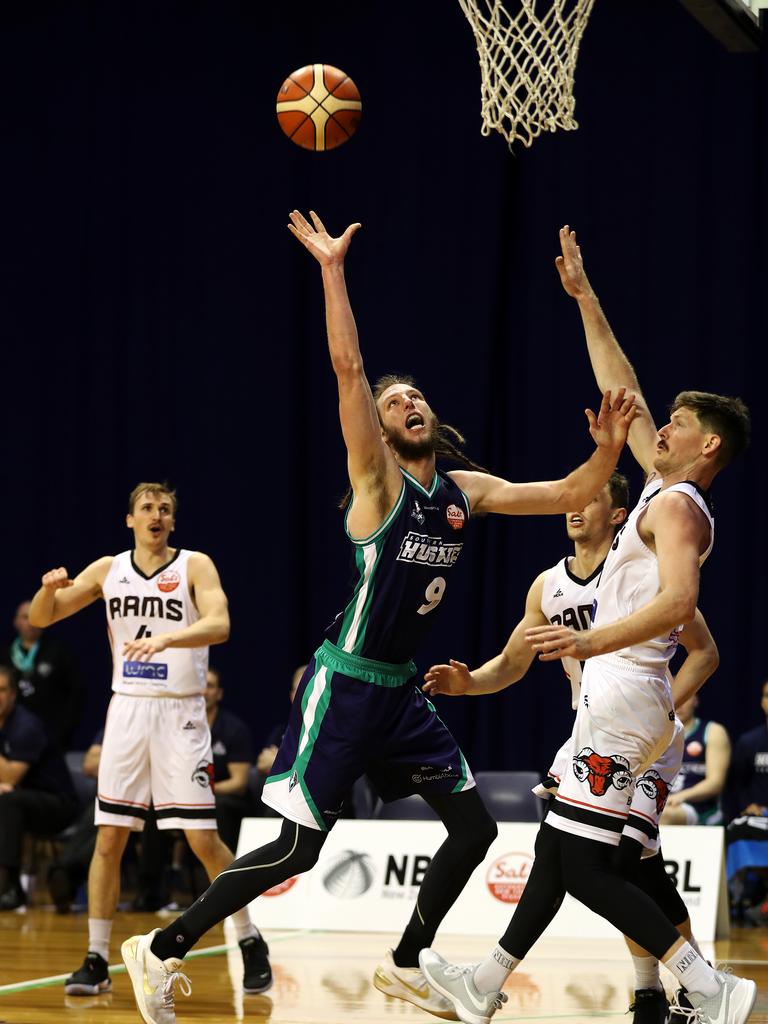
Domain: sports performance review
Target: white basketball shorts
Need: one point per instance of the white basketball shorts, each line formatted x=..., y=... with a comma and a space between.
x=624, y=723
x=156, y=749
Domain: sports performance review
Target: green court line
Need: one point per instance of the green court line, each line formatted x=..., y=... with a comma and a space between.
x=195, y=954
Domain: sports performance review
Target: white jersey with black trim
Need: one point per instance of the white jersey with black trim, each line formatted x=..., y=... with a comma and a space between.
x=137, y=606
x=630, y=578
x=567, y=600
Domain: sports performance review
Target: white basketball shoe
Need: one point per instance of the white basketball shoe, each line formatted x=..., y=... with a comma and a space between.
x=410, y=984
x=457, y=984
x=153, y=979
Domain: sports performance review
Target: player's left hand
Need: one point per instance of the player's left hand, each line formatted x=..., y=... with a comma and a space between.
x=610, y=427
x=554, y=642
x=142, y=650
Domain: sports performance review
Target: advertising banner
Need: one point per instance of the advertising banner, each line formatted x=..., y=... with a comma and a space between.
x=369, y=873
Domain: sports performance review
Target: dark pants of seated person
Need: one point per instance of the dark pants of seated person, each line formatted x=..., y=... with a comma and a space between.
x=28, y=811
x=70, y=869
x=231, y=808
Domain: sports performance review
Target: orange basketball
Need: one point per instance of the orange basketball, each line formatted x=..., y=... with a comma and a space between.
x=318, y=107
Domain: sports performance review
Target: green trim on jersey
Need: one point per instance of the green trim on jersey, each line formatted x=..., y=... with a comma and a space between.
x=278, y=778
x=464, y=775
x=430, y=493
x=358, y=611
x=384, y=526
x=310, y=731
x=380, y=673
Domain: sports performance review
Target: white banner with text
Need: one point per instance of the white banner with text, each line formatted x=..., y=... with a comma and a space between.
x=369, y=873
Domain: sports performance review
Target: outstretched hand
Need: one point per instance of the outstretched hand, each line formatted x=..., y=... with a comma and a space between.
x=610, y=427
x=553, y=642
x=453, y=679
x=326, y=250
x=570, y=266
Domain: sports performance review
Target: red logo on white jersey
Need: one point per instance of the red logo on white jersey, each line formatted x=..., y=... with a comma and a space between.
x=168, y=581
x=455, y=516
x=507, y=876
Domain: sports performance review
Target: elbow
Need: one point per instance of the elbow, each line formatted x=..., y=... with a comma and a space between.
x=37, y=620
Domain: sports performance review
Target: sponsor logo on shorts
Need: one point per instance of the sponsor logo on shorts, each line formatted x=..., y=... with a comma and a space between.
x=654, y=787
x=189, y=725
x=431, y=773
x=349, y=874
x=455, y=517
x=601, y=771
x=293, y=781
x=424, y=550
x=168, y=581
x=507, y=876
x=144, y=670
x=203, y=774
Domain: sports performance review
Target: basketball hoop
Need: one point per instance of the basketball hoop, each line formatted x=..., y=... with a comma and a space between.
x=527, y=63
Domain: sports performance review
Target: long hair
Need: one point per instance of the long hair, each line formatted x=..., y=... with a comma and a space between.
x=448, y=440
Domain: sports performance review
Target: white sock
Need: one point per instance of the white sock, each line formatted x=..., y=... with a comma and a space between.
x=243, y=925
x=646, y=972
x=494, y=970
x=692, y=971
x=99, y=932
x=696, y=946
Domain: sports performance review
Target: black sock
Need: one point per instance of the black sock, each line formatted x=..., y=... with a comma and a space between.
x=295, y=850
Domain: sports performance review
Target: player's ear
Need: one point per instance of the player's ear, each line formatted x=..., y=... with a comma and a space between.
x=712, y=445
x=129, y=521
x=618, y=516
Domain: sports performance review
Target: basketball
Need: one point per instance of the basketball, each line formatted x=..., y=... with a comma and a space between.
x=318, y=107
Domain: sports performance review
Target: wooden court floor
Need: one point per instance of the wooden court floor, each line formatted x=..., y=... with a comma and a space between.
x=323, y=976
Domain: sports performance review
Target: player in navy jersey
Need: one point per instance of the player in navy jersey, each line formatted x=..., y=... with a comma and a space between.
x=695, y=796
x=357, y=710
x=589, y=843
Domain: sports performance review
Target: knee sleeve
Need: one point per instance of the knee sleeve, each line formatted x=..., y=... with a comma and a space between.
x=653, y=879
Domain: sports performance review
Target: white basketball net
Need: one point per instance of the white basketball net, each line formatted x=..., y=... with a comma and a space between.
x=527, y=63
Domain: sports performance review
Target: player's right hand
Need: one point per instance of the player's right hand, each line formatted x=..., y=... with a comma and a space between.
x=570, y=266
x=57, y=579
x=318, y=241
x=453, y=679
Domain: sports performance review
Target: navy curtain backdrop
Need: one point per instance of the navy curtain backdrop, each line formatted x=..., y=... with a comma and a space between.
x=158, y=320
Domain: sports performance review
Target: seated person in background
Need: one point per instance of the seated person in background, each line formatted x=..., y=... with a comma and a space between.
x=746, y=836
x=70, y=869
x=162, y=855
x=36, y=792
x=268, y=752
x=695, y=797
x=232, y=760
x=50, y=684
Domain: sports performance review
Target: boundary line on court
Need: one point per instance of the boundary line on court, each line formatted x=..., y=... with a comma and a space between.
x=195, y=954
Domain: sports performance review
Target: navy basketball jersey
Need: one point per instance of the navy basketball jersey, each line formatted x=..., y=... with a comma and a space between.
x=403, y=572
x=694, y=766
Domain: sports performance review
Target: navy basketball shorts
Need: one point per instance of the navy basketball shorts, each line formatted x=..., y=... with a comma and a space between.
x=352, y=716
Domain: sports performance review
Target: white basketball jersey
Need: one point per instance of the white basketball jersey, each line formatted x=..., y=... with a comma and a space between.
x=630, y=578
x=138, y=606
x=567, y=600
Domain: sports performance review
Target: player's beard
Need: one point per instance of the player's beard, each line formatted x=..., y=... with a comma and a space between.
x=411, y=449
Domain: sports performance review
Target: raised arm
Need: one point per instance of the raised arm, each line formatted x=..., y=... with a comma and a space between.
x=610, y=365
x=59, y=596
x=455, y=679
x=609, y=428
x=211, y=602
x=373, y=472
x=680, y=534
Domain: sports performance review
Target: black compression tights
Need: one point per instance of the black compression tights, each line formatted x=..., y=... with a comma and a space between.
x=295, y=850
x=587, y=869
x=471, y=830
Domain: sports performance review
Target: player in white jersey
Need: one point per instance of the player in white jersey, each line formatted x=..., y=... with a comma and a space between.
x=648, y=590
x=564, y=594
x=164, y=606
